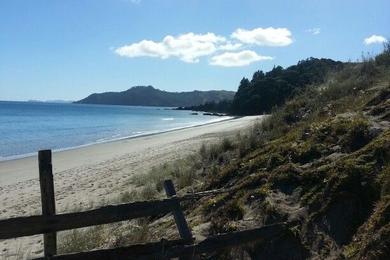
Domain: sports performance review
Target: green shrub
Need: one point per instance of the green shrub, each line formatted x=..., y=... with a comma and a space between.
x=185, y=179
x=226, y=144
x=384, y=180
x=79, y=240
x=134, y=232
x=148, y=192
x=383, y=59
x=357, y=135
x=234, y=210
x=275, y=160
x=203, y=151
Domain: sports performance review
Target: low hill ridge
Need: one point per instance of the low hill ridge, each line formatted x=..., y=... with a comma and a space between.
x=150, y=96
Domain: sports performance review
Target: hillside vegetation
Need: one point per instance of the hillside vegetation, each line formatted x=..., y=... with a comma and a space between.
x=320, y=162
x=149, y=96
x=268, y=90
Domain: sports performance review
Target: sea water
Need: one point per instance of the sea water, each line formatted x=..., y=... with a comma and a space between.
x=26, y=127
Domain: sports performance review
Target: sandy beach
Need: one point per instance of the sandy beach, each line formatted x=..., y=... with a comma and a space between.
x=93, y=175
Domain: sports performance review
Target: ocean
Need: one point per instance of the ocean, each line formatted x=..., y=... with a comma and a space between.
x=27, y=127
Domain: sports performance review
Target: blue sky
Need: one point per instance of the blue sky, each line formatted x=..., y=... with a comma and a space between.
x=67, y=49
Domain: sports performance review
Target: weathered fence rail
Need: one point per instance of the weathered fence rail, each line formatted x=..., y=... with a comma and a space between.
x=27, y=226
x=49, y=223
x=166, y=249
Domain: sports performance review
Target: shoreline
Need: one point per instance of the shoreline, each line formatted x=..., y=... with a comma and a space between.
x=150, y=133
x=24, y=169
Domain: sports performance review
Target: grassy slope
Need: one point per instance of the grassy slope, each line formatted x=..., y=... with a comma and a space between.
x=321, y=163
x=324, y=168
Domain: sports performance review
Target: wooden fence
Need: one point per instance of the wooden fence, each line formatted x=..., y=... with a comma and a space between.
x=185, y=248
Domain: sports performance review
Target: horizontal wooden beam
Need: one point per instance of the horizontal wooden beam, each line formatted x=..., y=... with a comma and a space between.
x=27, y=226
x=226, y=240
x=171, y=249
x=33, y=225
x=138, y=251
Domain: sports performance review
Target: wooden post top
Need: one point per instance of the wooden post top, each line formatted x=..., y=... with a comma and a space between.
x=44, y=156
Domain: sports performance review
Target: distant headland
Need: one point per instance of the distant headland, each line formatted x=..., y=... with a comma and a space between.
x=150, y=96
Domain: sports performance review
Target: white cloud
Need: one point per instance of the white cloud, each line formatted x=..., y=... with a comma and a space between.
x=314, y=31
x=237, y=59
x=374, y=39
x=190, y=47
x=187, y=47
x=264, y=36
x=230, y=46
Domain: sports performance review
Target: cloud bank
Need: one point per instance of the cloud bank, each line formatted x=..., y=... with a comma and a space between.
x=190, y=47
x=374, y=39
x=274, y=37
x=237, y=59
x=187, y=47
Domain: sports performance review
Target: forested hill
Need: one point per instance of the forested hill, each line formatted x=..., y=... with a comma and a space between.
x=270, y=89
x=267, y=90
x=149, y=96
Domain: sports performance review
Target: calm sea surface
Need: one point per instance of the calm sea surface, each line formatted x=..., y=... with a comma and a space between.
x=26, y=127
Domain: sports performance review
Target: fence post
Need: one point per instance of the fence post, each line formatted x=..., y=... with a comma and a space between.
x=47, y=199
x=180, y=220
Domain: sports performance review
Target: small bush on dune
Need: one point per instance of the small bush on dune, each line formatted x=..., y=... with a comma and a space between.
x=182, y=172
x=342, y=87
x=384, y=180
x=357, y=135
x=275, y=125
x=203, y=151
x=223, y=218
x=368, y=67
x=249, y=140
x=185, y=179
x=136, y=231
x=82, y=240
x=213, y=152
x=127, y=197
x=383, y=59
x=113, y=235
x=226, y=144
x=148, y=192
